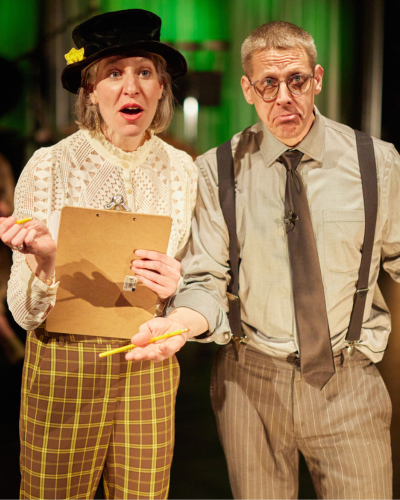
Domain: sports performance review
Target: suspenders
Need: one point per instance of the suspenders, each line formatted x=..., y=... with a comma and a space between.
x=366, y=160
x=227, y=199
x=226, y=183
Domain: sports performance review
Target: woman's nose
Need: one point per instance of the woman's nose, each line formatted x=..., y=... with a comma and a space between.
x=131, y=83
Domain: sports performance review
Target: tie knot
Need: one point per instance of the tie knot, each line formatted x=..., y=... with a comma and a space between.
x=291, y=159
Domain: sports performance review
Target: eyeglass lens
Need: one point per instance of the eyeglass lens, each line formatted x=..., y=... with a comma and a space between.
x=297, y=84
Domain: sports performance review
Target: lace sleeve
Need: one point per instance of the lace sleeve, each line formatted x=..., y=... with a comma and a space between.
x=29, y=299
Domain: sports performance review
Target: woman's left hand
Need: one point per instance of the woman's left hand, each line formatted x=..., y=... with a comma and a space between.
x=162, y=349
x=158, y=272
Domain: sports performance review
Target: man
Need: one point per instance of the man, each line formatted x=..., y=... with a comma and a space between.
x=296, y=384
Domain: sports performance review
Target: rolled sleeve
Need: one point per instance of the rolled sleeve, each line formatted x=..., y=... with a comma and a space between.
x=207, y=306
x=391, y=232
x=205, y=265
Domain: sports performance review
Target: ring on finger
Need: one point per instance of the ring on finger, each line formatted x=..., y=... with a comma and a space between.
x=19, y=248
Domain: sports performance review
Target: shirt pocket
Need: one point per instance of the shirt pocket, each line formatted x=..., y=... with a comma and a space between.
x=343, y=239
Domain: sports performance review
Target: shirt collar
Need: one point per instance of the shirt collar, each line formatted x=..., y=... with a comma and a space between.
x=312, y=145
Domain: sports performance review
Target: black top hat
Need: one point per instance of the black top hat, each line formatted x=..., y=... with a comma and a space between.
x=118, y=33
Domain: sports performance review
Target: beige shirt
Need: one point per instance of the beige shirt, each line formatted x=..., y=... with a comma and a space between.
x=330, y=172
x=85, y=170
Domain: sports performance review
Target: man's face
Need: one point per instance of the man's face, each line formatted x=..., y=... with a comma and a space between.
x=287, y=116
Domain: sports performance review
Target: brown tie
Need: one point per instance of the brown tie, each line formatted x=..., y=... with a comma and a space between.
x=316, y=359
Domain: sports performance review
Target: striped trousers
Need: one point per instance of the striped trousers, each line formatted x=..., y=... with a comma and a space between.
x=266, y=413
x=82, y=416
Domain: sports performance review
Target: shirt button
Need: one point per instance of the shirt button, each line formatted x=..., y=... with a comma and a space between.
x=129, y=191
x=126, y=165
x=227, y=336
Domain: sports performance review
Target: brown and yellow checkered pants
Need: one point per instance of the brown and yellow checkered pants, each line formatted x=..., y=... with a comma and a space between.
x=82, y=416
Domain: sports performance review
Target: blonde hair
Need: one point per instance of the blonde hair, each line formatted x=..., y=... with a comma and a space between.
x=277, y=35
x=88, y=114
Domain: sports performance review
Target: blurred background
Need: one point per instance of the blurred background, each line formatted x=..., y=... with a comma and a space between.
x=358, y=48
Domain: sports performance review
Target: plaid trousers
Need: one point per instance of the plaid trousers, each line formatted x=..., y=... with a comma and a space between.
x=266, y=413
x=82, y=416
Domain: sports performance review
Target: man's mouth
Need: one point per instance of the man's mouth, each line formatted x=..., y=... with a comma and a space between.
x=286, y=117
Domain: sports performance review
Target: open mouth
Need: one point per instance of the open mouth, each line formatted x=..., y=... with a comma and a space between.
x=131, y=111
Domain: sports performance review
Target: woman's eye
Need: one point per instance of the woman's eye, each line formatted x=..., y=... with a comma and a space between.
x=114, y=74
x=145, y=73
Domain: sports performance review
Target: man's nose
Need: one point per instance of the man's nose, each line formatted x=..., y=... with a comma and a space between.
x=284, y=95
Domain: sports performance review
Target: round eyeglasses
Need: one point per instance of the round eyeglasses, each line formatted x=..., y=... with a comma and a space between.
x=268, y=88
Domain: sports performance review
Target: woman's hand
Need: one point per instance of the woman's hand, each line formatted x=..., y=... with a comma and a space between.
x=33, y=239
x=157, y=351
x=33, y=236
x=158, y=272
x=180, y=319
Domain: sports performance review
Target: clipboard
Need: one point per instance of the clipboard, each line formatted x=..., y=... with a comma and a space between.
x=95, y=249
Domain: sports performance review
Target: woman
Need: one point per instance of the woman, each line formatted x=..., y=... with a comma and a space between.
x=82, y=416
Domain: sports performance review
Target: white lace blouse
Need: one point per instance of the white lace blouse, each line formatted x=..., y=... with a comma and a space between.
x=86, y=170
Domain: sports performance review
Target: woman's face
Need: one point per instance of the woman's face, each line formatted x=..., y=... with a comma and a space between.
x=127, y=91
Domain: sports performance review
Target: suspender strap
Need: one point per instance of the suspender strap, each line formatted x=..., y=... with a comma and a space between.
x=226, y=185
x=366, y=160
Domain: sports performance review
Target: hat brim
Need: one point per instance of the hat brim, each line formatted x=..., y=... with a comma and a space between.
x=176, y=64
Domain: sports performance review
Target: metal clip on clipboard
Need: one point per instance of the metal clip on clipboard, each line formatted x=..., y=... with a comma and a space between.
x=117, y=203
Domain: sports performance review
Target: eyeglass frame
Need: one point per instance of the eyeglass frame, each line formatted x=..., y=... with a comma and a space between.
x=253, y=84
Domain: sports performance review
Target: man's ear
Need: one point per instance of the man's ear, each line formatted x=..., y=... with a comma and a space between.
x=318, y=75
x=246, y=87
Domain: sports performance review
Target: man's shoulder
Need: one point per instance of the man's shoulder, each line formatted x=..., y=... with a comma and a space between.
x=210, y=156
x=338, y=128
x=349, y=133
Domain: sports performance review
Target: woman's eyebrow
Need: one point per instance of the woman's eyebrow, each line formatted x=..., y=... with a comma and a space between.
x=112, y=60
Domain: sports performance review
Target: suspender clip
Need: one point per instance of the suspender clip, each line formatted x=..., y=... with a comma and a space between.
x=361, y=291
x=237, y=341
x=351, y=346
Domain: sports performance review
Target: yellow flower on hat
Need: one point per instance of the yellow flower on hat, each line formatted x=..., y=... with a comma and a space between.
x=74, y=55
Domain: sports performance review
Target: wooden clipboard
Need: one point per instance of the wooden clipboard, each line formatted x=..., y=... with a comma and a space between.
x=95, y=249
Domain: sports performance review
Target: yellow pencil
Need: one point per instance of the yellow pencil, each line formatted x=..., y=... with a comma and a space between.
x=132, y=346
x=21, y=221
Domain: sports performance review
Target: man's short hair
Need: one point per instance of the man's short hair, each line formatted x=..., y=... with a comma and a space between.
x=277, y=35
